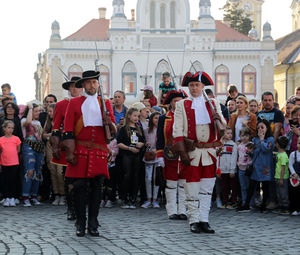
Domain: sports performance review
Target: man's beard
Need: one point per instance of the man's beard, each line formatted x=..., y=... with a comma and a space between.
x=90, y=93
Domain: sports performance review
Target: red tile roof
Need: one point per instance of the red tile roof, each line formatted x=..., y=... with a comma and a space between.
x=95, y=30
x=226, y=33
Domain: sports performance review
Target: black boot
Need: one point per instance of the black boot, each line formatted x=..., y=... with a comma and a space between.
x=182, y=216
x=173, y=217
x=80, y=230
x=195, y=227
x=71, y=215
x=206, y=228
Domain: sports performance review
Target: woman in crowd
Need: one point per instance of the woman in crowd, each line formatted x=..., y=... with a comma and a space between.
x=289, y=105
x=292, y=130
x=149, y=96
x=263, y=163
x=242, y=118
x=253, y=106
x=32, y=151
x=56, y=171
x=150, y=161
x=131, y=141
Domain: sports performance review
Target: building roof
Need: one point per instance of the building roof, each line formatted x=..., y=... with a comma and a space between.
x=227, y=34
x=288, y=48
x=95, y=30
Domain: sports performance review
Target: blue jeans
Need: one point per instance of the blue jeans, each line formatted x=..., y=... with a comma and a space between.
x=244, y=183
x=32, y=161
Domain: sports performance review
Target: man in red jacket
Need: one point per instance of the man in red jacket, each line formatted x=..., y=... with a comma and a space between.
x=59, y=156
x=86, y=150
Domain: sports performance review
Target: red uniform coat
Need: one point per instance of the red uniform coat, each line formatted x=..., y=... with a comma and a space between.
x=173, y=169
x=91, y=149
x=58, y=123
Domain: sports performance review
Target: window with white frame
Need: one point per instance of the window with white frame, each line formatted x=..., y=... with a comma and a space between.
x=249, y=80
x=129, y=78
x=161, y=67
x=221, y=80
x=196, y=67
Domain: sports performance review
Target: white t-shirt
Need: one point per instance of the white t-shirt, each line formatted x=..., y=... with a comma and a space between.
x=239, y=126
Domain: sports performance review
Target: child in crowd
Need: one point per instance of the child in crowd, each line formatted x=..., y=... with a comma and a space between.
x=151, y=163
x=294, y=165
x=149, y=96
x=228, y=161
x=282, y=175
x=32, y=151
x=110, y=185
x=6, y=93
x=143, y=114
x=263, y=164
x=243, y=161
x=10, y=147
x=165, y=87
x=131, y=141
x=56, y=170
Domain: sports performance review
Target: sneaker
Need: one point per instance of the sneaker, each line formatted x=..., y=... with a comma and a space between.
x=222, y=207
x=295, y=213
x=219, y=202
x=132, y=206
x=35, y=201
x=2, y=200
x=155, y=204
x=124, y=205
x=6, y=202
x=56, y=200
x=12, y=202
x=284, y=212
x=108, y=204
x=272, y=206
x=27, y=203
x=62, y=200
x=102, y=203
x=146, y=204
x=230, y=207
x=243, y=209
x=17, y=201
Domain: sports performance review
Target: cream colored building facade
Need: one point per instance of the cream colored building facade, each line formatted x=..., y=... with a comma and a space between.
x=159, y=29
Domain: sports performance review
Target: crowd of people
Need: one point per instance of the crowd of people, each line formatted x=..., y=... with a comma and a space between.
x=258, y=162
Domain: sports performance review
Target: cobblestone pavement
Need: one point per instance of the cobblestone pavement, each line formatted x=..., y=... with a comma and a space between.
x=45, y=230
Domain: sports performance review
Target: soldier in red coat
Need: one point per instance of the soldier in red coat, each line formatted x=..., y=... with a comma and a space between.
x=59, y=156
x=196, y=136
x=174, y=173
x=86, y=150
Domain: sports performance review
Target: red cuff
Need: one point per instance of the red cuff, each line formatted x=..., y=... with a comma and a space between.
x=178, y=139
x=160, y=153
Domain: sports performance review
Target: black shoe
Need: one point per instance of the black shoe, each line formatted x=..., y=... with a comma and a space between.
x=93, y=231
x=195, y=227
x=71, y=215
x=243, y=208
x=206, y=228
x=80, y=230
x=173, y=217
x=182, y=216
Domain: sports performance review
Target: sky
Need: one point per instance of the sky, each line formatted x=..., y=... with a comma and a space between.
x=25, y=27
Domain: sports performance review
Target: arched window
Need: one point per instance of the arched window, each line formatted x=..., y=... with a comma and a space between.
x=152, y=14
x=129, y=78
x=221, y=80
x=104, y=71
x=249, y=80
x=161, y=67
x=74, y=70
x=163, y=16
x=196, y=65
x=173, y=14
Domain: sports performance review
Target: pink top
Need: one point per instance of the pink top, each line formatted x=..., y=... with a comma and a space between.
x=9, y=152
x=243, y=158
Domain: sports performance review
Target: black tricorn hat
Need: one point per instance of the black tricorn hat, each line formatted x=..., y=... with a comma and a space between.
x=174, y=93
x=67, y=84
x=199, y=76
x=86, y=76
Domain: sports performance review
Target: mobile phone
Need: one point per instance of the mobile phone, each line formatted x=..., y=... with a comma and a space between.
x=293, y=123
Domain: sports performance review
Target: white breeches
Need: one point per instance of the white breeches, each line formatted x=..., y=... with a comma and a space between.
x=174, y=188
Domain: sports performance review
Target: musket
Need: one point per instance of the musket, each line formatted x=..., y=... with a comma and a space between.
x=172, y=73
x=217, y=123
x=105, y=111
x=65, y=76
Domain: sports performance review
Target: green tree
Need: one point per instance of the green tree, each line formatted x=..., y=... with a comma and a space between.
x=237, y=18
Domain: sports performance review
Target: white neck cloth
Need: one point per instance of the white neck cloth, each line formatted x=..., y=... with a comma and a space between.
x=91, y=111
x=201, y=113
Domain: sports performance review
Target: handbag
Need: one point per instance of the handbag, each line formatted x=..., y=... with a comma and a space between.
x=149, y=154
x=249, y=170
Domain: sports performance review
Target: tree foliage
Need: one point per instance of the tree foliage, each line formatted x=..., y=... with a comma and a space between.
x=237, y=18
